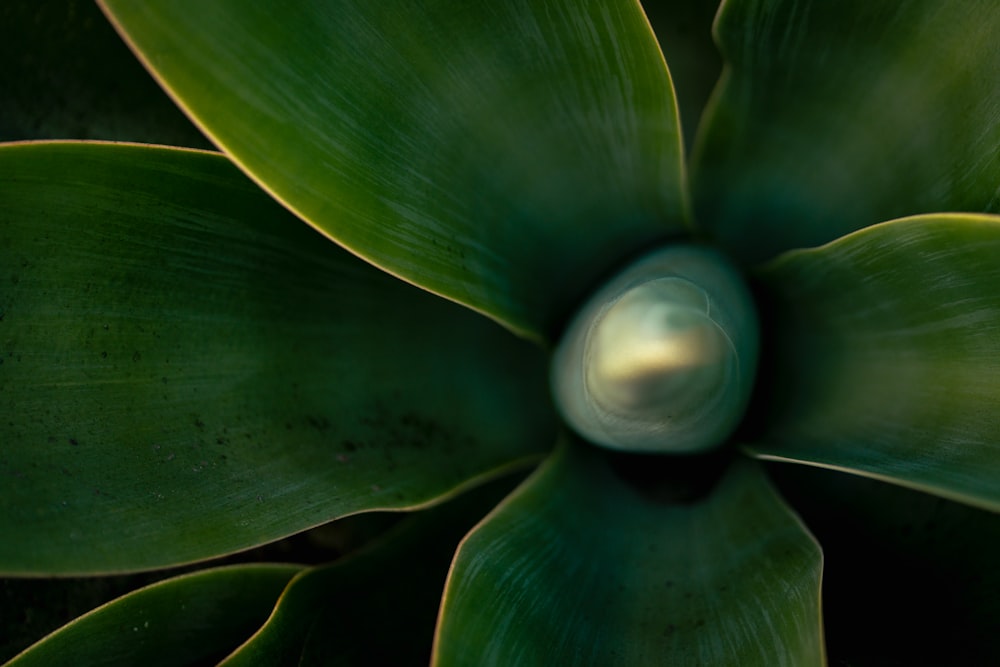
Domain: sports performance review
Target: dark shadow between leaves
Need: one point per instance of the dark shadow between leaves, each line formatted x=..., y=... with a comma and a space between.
x=670, y=479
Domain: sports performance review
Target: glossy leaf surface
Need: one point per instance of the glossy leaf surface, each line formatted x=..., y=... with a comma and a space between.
x=190, y=619
x=501, y=154
x=580, y=566
x=832, y=116
x=885, y=356
x=377, y=607
x=188, y=370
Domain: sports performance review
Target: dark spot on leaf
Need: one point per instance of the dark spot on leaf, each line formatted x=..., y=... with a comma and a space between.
x=136, y=356
x=321, y=424
x=104, y=355
x=74, y=442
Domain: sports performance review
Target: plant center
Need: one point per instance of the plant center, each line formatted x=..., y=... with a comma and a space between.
x=662, y=358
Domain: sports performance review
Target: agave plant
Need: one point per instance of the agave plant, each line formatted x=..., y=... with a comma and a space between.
x=517, y=307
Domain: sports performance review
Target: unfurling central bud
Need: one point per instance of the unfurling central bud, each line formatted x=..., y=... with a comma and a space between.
x=662, y=358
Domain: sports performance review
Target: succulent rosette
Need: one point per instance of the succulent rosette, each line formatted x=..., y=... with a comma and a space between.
x=598, y=390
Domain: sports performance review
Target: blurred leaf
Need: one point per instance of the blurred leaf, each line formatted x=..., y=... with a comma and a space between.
x=884, y=356
x=190, y=619
x=911, y=579
x=377, y=607
x=188, y=370
x=832, y=116
x=505, y=154
x=583, y=566
x=31, y=608
x=67, y=75
x=684, y=30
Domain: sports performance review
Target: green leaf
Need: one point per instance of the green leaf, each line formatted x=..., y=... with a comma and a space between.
x=190, y=619
x=582, y=566
x=911, y=578
x=345, y=613
x=505, y=154
x=188, y=370
x=67, y=75
x=832, y=116
x=885, y=356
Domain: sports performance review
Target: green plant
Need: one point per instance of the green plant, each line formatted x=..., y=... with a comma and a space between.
x=189, y=371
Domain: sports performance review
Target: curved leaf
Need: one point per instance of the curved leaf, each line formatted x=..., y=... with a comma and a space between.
x=885, y=356
x=504, y=155
x=832, y=116
x=343, y=613
x=190, y=619
x=188, y=370
x=67, y=75
x=580, y=567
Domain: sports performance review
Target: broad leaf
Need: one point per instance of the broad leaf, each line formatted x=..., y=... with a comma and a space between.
x=503, y=154
x=188, y=370
x=885, y=356
x=377, y=607
x=832, y=116
x=582, y=566
x=190, y=619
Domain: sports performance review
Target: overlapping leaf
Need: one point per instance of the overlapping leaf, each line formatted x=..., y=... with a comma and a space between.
x=581, y=566
x=504, y=155
x=190, y=619
x=832, y=116
x=376, y=607
x=885, y=351
x=187, y=370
